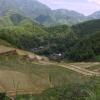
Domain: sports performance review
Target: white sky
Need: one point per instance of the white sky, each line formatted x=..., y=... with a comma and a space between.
x=83, y=6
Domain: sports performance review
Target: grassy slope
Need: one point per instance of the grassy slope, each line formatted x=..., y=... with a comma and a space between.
x=5, y=43
x=43, y=76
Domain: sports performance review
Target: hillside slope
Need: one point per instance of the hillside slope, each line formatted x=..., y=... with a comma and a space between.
x=87, y=47
x=87, y=28
x=22, y=77
x=21, y=31
x=52, y=41
x=40, y=76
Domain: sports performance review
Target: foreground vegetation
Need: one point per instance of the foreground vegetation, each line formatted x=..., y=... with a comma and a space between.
x=89, y=90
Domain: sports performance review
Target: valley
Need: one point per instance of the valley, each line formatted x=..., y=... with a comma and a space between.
x=48, y=54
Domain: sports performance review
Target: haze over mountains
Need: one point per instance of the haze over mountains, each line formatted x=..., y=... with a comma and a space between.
x=43, y=14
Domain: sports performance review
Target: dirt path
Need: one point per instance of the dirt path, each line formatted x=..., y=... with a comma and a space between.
x=75, y=68
x=81, y=70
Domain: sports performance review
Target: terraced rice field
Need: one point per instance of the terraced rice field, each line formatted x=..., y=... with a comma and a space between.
x=16, y=71
x=20, y=76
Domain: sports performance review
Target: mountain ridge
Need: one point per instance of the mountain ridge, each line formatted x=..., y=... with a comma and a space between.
x=44, y=15
x=39, y=12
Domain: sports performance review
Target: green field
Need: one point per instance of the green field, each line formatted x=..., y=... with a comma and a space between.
x=48, y=80
x=43, y=76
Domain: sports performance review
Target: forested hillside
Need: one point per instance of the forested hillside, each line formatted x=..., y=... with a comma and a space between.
x=87, y=28
x=86, y=49
x=79, y=42
x=88, y=45
x=21, y=31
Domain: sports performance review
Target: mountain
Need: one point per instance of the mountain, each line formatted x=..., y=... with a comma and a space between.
x=95, y=15
x=30, y=8
x=68, y=17
x=43, y=14
x=40, y=12
x=10, y=19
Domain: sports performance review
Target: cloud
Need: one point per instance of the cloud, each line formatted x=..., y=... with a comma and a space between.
x=95, y=1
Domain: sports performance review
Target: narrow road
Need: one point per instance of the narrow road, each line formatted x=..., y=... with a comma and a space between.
x=75, y=68
x=81, y=70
